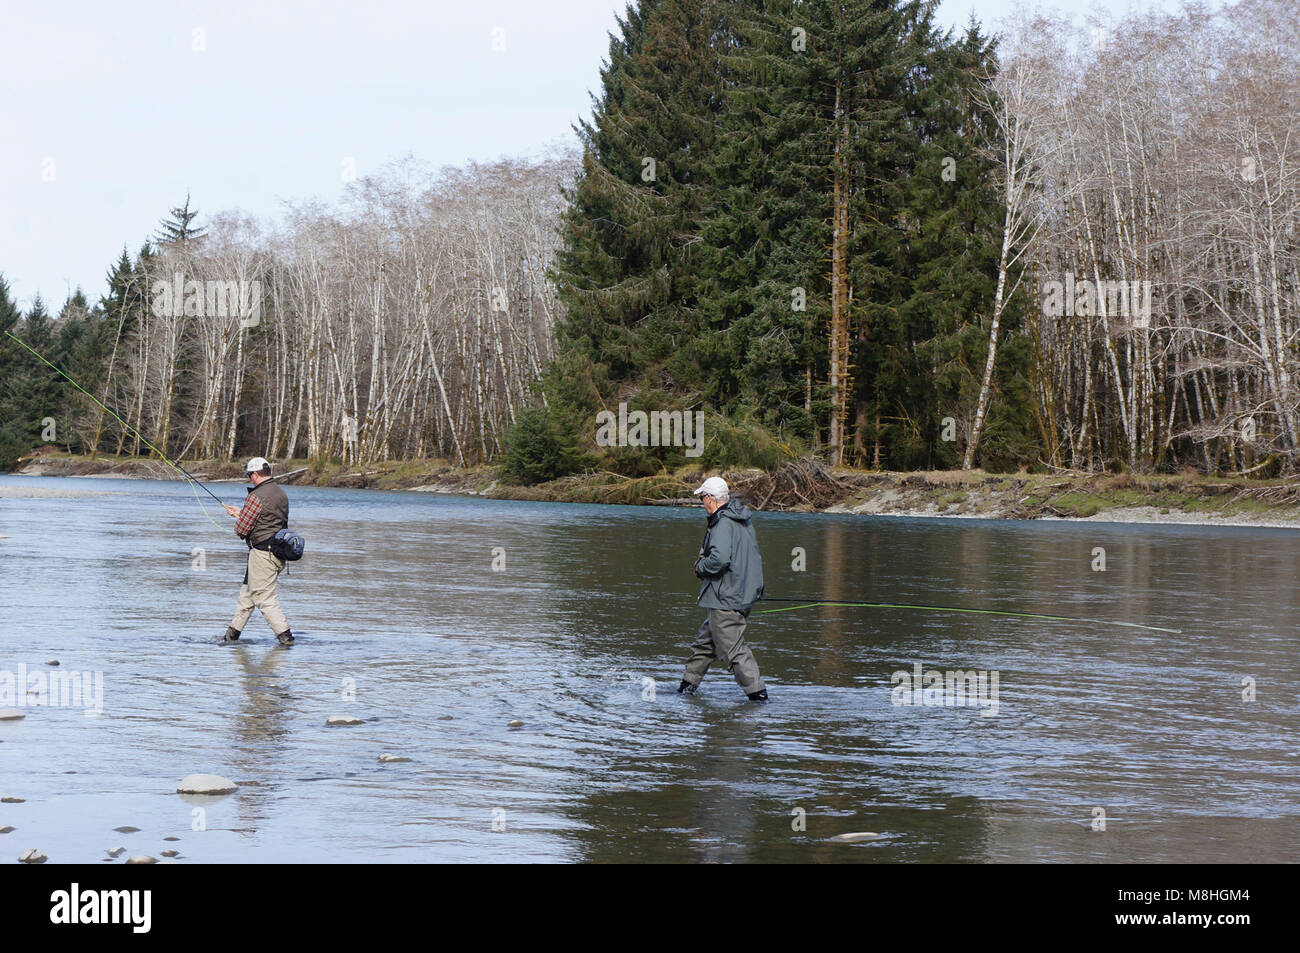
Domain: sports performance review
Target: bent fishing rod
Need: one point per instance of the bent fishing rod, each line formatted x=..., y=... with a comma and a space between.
x=807, y=604
x=131, y=430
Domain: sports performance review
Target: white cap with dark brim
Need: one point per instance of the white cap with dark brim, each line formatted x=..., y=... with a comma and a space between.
x=715, y=487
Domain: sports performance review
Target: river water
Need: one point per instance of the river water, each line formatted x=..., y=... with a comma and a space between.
x=440, y=620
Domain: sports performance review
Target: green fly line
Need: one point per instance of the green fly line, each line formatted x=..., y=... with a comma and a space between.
x=1002, y=612
x=194, y=484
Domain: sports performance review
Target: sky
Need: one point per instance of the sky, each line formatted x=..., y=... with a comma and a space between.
x=111, y=112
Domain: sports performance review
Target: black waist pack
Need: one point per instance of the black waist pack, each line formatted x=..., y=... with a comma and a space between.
x=287, y=546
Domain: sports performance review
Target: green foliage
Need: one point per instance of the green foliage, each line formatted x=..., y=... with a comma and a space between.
x=79, y=341
x=179, y=230
x=537, y=450
x=628, y=271
x=709, y=286
x=743, y=441
x=15, y=439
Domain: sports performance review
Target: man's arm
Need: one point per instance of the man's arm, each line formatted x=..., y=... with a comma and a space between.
x=718, y=558
x=244, y=518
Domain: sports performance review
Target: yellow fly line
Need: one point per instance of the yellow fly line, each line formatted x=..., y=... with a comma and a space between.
x=194, y=484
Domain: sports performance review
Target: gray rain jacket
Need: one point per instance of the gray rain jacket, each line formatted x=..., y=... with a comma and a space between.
x=730, y=567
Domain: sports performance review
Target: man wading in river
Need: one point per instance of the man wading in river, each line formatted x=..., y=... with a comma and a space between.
x=731, y=575
x=265, y=512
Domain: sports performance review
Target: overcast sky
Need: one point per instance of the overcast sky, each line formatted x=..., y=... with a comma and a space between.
x=110, y=112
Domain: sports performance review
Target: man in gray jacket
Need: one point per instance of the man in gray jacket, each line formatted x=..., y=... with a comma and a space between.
x=731, y=575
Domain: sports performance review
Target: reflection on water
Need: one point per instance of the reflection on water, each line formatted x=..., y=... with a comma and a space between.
x=403, y=623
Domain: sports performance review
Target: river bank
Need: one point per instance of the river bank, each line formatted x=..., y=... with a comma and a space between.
x=800, y=486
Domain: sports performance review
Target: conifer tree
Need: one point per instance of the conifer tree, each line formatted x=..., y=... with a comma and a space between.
x=179, y=230
x=14, y=416
x=629, y=269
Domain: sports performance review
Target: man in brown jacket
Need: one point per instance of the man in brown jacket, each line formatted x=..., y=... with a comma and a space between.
x=265, y=513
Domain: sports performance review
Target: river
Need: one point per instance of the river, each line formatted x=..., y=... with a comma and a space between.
x=440, y=620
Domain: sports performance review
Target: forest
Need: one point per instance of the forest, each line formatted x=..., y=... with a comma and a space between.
x=830, y=228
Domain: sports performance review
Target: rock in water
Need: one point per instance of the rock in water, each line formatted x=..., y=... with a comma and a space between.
x=52, y=662
x=6, y=829
x=12, y=800
x=392, y=758
x=142, y=859
x=171, y=853
x=854, y=837
x=32, y=856
x=11, y=714
x=205, y=784
x=117, y=852
x=126, y=830
x=336, y=720
x=515, y=724
x=171, y=838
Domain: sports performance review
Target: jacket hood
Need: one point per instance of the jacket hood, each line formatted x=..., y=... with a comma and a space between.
x=736, y=511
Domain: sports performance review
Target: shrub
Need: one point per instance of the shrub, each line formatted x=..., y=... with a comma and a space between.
x=742, y=441
x=537, y=450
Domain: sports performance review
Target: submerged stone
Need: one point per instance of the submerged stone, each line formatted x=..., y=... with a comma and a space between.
x=337, y=720
x=205, y=784
x=855, y=837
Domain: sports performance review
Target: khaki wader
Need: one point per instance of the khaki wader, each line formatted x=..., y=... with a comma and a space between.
x=259, y=591
x=722, y=639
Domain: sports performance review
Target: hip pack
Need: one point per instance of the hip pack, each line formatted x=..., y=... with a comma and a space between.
x=287, y=546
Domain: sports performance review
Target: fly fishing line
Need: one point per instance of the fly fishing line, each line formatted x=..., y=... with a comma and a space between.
x=131, y=430
x=1001, y=612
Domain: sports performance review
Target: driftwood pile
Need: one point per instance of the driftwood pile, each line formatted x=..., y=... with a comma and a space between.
x=803, y=484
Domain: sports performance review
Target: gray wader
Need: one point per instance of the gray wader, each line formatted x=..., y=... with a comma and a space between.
x=722, y=639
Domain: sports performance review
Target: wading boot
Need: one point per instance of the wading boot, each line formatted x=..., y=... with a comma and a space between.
x=758, y=696
x=232, y=635
x=285, y=637
x=685, y=688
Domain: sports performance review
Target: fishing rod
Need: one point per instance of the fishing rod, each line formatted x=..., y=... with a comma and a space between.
x=131, y=430
x=805, y=604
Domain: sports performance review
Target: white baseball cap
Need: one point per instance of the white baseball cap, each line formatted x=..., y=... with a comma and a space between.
x=257, y=465
x=715, y=487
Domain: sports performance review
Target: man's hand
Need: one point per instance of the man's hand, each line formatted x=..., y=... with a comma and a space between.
x=231, y=510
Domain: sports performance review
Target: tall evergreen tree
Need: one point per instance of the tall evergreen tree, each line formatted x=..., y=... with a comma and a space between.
x=768, y=290
x=179, y=229
x=123, y=308
x=956, y=198
x=629, y=268
x=15, y=438
x=820, y=252
x=81, y=352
